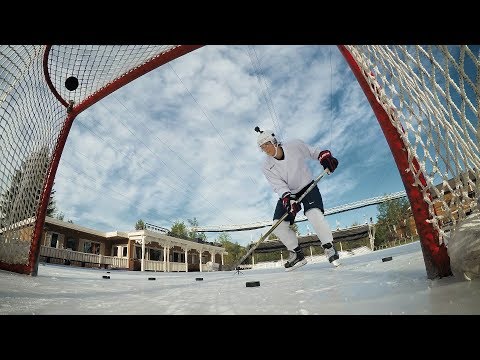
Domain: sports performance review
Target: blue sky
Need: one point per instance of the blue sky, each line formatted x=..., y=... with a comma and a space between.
x=179, y=142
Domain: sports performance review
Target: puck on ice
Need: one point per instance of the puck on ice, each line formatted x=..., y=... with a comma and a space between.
x=252, y=283
x=386, y=258
x=199, y=279
x=106, y=277
x=151, y=278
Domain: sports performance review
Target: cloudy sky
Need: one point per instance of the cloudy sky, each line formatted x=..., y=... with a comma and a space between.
x=179, y=142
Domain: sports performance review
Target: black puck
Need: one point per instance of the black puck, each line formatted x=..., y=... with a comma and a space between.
x=106, y=277
x=252, y=283
x=199, y=279
x=151, y=278
x=386, y=258
x=71, y=83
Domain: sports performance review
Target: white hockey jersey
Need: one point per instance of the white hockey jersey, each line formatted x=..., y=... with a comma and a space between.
x=292, y=173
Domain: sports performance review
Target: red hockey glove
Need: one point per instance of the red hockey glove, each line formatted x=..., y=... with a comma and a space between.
x=289, y=203
x=327, y=160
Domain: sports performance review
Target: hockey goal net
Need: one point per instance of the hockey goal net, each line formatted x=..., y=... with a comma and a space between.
x=426, y=99
x=42, y=90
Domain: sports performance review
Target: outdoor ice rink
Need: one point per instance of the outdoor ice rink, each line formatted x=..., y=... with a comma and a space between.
x=362, y=285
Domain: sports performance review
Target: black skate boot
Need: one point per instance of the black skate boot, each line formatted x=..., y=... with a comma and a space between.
x=295, y=260
x=331, y=254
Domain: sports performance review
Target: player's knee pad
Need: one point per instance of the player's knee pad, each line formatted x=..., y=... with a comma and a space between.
x=320, y=224
x=286, y=235
x=314, y=214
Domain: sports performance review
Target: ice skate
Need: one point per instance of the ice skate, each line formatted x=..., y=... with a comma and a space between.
x=295, y=260
x=331, y=254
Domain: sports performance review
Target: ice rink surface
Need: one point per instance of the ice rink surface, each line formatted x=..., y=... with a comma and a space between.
x=362, y=285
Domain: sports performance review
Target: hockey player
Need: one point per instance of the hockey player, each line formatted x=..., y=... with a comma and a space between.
x=286, y=170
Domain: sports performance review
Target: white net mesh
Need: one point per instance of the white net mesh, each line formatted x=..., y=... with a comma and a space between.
x=431, y=94
x=34, y=123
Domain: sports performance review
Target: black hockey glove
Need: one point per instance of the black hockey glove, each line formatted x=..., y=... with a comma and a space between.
x=289, y=203
x=327, y=160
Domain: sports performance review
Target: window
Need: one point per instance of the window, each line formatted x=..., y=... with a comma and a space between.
x=53, y=240
x=156, y=255
x=125, y=251
x=71, y=244
x=178, y=256
x=91, y=247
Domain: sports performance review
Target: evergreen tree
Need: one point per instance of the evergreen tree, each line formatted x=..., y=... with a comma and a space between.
x=235, y=250
x=179, y=230
x=7, y=198
x=392, y=214
x=52, y=204
x=194, y=234
x=140, y=225
x=21, y=199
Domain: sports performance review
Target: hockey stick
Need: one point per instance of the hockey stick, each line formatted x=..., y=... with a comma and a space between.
x=279, y=221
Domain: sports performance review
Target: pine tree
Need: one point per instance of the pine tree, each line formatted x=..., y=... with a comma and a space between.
x=140, y=225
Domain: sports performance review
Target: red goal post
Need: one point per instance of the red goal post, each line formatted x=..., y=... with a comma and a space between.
x=37, y=110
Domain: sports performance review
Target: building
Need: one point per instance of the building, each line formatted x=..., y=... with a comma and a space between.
x=143, y=250
x=448, y=207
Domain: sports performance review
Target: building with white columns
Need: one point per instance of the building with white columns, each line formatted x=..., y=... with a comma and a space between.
x=140, y=250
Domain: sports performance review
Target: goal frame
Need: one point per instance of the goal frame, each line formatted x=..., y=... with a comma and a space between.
x=437, y=261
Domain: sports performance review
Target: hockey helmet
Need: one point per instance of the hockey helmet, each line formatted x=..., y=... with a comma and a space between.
x=265, y=136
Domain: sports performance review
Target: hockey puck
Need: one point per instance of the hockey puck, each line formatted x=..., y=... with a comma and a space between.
x=386, y=258
x=199, y=279
x=151, y=278
x=71, y=83
x=106, y=277
x=108, y=272
x=252, y=283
